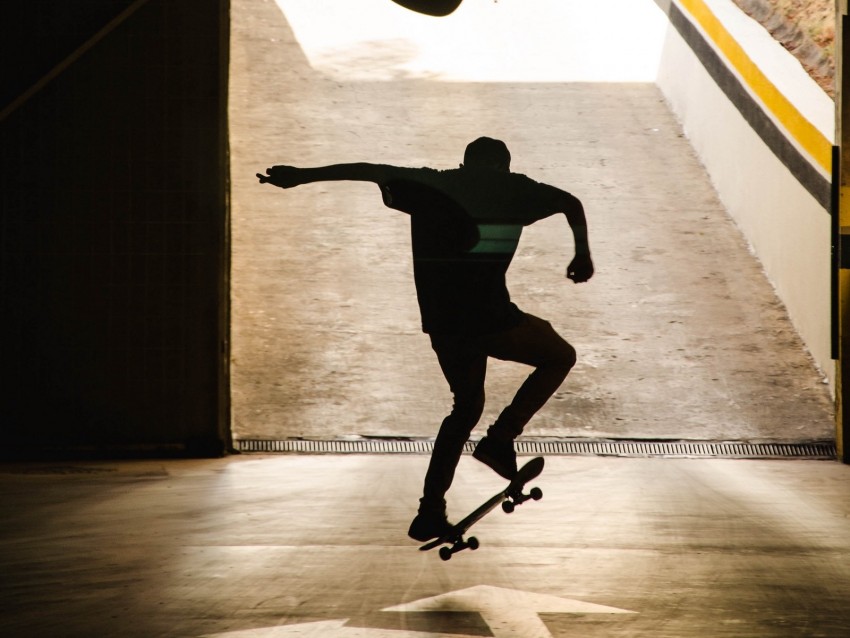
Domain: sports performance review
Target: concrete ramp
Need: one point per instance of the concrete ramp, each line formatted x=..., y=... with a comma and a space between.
x=679, y=334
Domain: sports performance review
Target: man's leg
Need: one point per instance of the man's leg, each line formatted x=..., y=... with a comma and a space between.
x=465, y=368
x=535, y=343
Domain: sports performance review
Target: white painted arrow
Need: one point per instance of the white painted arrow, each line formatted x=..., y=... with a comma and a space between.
x=508, y=612
x=329, y=629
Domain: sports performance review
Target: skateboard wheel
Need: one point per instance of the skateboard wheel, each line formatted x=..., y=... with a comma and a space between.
x=508, y=507
x=445, y=553
x=536, y=493
x=473, y=543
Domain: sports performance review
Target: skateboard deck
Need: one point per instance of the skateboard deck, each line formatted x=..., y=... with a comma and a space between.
x=453, y=541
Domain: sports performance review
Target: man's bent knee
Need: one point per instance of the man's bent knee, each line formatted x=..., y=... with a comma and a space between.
x=567, y=358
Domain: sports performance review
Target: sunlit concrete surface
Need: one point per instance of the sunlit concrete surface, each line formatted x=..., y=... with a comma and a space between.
x=482, y=41
x=679, y=335
x=260, y=547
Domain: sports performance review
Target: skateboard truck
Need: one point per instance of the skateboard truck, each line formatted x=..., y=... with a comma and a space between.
x=509, y=504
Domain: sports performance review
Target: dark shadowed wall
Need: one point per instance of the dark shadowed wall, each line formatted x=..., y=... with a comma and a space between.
x=113, y=226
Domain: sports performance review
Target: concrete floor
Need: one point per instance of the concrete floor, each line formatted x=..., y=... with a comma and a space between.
x=679, y=335
x=255, y=547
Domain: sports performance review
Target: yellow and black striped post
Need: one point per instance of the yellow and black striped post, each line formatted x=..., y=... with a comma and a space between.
x=841, y=232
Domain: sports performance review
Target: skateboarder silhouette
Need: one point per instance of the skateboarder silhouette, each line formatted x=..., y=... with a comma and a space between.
x=465, y=227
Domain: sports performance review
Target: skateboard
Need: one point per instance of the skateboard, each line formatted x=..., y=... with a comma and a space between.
x=453, y=541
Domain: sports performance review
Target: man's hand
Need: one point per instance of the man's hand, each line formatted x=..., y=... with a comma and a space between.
x=283, y=176
x=580, y=268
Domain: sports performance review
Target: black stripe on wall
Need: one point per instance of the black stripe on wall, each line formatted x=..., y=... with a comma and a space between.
x=809, y=177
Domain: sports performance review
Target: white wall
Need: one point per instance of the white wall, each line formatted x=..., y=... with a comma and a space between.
x=787, y=228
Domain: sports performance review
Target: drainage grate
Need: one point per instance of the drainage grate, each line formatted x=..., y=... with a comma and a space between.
x=825, y=450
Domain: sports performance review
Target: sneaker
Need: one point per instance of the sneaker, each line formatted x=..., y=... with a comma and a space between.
x=498, y=455
x=428, y=525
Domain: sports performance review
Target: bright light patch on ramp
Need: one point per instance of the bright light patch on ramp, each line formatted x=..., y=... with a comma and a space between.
x=482, y=41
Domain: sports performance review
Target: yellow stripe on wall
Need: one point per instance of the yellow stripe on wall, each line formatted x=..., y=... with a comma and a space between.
x=806, y=134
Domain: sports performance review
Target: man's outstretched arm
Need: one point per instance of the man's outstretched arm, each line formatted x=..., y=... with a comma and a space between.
x=291, y=176
x=581, y=267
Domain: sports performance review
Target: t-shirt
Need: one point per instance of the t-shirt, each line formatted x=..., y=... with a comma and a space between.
x=465, y=228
